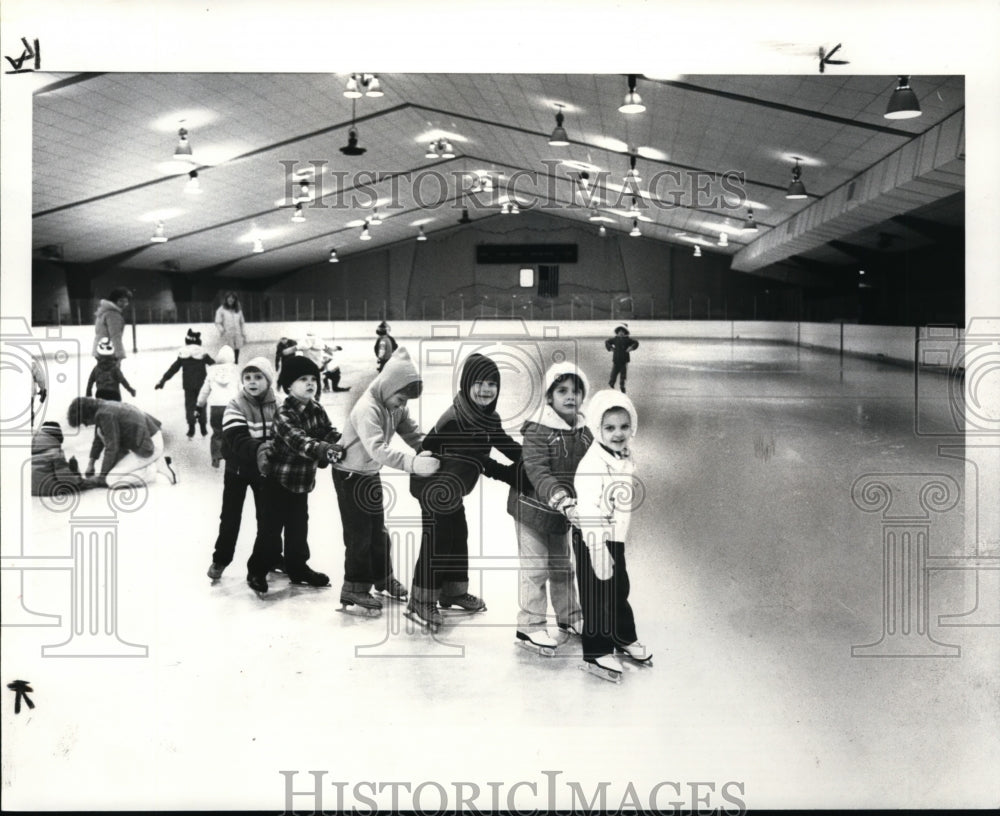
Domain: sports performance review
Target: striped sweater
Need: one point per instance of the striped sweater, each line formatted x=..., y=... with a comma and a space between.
x=246, y=423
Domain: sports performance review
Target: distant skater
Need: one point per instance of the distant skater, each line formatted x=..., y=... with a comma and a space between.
x=620, y=345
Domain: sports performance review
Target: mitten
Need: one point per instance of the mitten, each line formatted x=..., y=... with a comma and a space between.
x=424, y=464
x=264, y=452
x=336, y=453
x=132, y=391
x=158, y=386
x=333, y=436
x=42, y=394
x=73, y=465
x=600, y=559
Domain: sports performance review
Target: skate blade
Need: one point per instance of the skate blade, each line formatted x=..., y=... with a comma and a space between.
x=544, y=651
x=638, y=661
x=420, y=622
x=460, y=611
x=360, y=611
x=600, y=671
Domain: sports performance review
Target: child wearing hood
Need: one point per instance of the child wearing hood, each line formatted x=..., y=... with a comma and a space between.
x=51, y=474
x=221, y=385
x=194, y=362
x=378, y=415
x=543, y=504
x=106, y=375
x=606, y=493
x=304, y=439
x=247, y=423
x=461, y=440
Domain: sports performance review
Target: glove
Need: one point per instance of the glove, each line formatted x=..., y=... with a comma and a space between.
x=335, y=454
x=42, y=394
x=502, y=473
x=600, y=559
x=333, y=436
x=158, y=386
x=132, y=391
x=73, y=465
x=424, y=464
x=264, y=452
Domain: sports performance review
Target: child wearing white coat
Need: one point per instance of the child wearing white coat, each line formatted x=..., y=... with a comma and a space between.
x=606, y=493
x=222, y=384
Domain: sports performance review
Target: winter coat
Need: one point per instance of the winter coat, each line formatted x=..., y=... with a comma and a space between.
x=109, y=322
x=194, y=362
x=620, y=345
x=247, y=423
x=51, y=474
x=222, y=382
x=605, y=495
x=231, y=327
x=462, y=439
x=106, y=376
x=121, y=429
x=385, y=347
x=374, y=425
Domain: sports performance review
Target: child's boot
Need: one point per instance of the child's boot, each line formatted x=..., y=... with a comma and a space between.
x=456, y=593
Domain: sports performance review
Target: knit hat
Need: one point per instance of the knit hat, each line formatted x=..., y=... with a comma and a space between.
x=621, y=328
x=602, y=402
x=382, y=328
x=261, y=364
x=193, y=338
x=295, y=367
x=105, y=348
x=478, y=368
x=53, y=429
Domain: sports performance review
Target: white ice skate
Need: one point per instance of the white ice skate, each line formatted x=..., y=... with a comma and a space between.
x=538, y=642
x=638, y=652
x=606, y=667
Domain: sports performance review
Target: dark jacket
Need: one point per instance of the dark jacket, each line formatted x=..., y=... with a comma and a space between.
x=551, y=452
x=121, y=429
x=246, y=424
x=51, y=474
x=194, y=362
x=106, y=376
x=620, y=345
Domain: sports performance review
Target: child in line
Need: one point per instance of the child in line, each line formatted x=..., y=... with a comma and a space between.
x=377, y=416
x=385, y=345
x=461, y=440
x=221, y=385
x=107, y=374
x=247, y=423
x=194, y=362
x=605, y=491
x=620, y=345
x=304, y=439
x=544, y=503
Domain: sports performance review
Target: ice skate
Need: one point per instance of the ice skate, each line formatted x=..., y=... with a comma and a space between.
x=574, y=628
x=360, y=604
x=309, y=577
x=170, y=474
x=637, y=652
x=258, y=583
x=606, y=667
x=392, y=589
x=424, y=612
x=466, y=603
x=538, y=642
x=215, y=571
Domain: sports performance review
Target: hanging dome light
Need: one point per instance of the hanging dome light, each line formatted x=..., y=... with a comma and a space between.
x=903, y=103
x=351, y=91
x=602, y=231
x=420, y=235
x=796, y=190
x=183, y=150
x=193, y=186
x=159, y=234
x=558, y=137
x=298, y=216
x=633, y=102
x=333, y=256
x=635, y=233
x=697, y=251
x=374, y=88
x=365, y=235
x=258, y=245
x=750, y=225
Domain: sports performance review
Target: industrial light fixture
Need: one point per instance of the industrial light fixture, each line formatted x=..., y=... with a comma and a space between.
x=636, y=232
x=697, y=251
x=903, y=103
x=374, y=219
x=602, y=231
x=183, y=150
x=420, y=235
x=723, y=239
x=509, y=208
x=159, y=235
x=750, y=225
x=333, y=256
x=595, y=215
x=633, y=102
x=369, y=82
x=193, y=186
x=258, y=245
x=298, y=216
x=558, y=137
x=634, y=211
x=440, y=149
x=365, y=235
x=632, y=175
x=796, y=189
x=304, y=193
x=351, y=148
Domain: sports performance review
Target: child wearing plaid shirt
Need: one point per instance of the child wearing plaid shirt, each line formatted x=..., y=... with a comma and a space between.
x=304, y=439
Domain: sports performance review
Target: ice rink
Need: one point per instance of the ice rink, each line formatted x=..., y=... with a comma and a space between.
x=758, y=579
